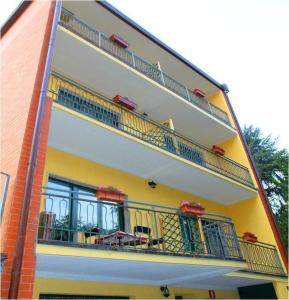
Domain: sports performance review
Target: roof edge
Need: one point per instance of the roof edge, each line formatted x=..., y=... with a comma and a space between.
x=25, y=3
x=14, y=16
x=154, y=39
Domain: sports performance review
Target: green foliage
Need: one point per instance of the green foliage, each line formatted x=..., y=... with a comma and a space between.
x=272, y=166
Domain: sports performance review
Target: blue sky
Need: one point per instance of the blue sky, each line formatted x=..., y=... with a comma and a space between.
x=243, y=43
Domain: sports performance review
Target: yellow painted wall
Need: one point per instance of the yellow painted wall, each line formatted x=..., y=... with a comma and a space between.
x=233, y=147
x=72, y=287
x=248, y=215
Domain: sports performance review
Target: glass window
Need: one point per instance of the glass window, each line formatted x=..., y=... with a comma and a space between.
x=74, y=208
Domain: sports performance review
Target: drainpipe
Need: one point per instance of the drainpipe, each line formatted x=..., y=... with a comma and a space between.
x=17, y=262
x=4, y=194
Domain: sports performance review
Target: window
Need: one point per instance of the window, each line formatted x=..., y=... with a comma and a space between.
x=75, y=208
x=88, y=107
x=192, y=242
x=219, y=238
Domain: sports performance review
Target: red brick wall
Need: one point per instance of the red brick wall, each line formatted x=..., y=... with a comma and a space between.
x=24, y=51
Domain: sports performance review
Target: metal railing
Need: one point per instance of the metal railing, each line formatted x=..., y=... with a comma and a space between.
x=261, y=258
x=88, y=102
x=99, y=39
x=80, y=218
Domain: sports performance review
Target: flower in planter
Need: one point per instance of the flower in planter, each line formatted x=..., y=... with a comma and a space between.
x=110, y=193
x=110, y=189
x=250, y=237
x=195, y=208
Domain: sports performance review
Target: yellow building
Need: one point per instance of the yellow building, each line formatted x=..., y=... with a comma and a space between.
x=138, y=200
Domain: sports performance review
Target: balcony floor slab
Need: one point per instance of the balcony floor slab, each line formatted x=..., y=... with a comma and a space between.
x=109, y=266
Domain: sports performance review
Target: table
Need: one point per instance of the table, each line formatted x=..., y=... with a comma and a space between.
x=121, y=238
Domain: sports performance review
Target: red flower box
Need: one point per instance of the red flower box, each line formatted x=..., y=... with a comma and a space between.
x=191, y=208
x=119, y=40
x=249, y=237
x=218, y=150
x=199, y=93
x=125, y=102
x=110, y=194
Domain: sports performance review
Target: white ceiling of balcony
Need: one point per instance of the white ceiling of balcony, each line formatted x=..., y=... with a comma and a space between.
x=136, y=272
x=91, y=141
x=102, y=20
x=87, y=64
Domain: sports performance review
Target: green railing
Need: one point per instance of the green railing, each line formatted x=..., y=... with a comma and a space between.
x=71, y=217
x=100, y=40
x=86, y=101
x=261, y=258
x=81, y=218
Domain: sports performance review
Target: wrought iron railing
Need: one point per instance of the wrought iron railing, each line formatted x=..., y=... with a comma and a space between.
x=88, y=102
x=80, y=218
x=99, y=39
x=261, y=258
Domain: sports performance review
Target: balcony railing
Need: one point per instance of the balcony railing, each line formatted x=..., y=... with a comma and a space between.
x=261, y=258
x=79, y=218
x=88, y=102
x=99, y=39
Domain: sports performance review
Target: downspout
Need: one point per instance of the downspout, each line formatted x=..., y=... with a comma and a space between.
x=17, y=262
x=263, y=194
x=4, y=194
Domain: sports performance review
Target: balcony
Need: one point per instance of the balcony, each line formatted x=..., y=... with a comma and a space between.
x=262, y=258
x=82, y=219
x=79, y=219
x=78, y=98
x=99, y=59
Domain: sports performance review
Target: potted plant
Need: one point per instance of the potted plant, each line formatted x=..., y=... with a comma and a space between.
x=124, y=101
x=119, y=41
x=110, y=193
x=191, y=208
x=249, y=237
x=199, y=93
x=218, y=150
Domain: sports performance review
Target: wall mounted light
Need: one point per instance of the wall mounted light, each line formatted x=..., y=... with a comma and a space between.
x=152, y=184
x=164, y=289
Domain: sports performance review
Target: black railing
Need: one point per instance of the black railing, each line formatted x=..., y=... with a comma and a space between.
x=261, y=258
x=86, y=101
x=80, y=218
x=99, y=39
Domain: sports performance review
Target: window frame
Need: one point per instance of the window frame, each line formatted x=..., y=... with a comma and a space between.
x=74, y=188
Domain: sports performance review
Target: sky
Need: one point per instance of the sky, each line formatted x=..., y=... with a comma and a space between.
x=243, y=43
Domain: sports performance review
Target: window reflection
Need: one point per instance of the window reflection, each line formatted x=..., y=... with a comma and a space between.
x=75, y=209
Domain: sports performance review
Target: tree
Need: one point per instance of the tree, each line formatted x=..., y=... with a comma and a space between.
x=272, y=166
